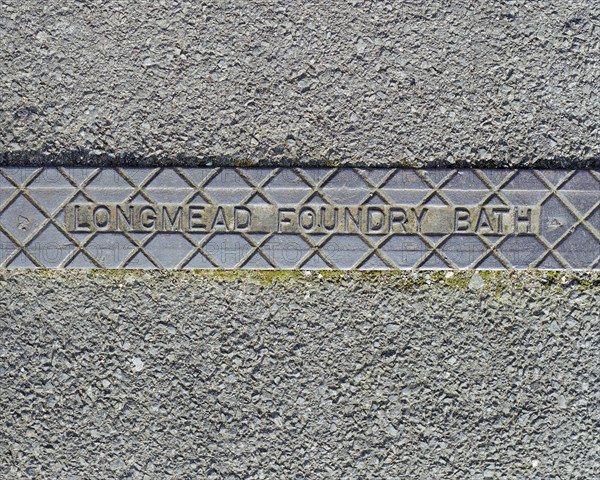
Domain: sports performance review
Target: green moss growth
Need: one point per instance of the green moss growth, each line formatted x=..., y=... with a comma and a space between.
x=111, y=273
x=45, y=272
x=552, y=277
x=263, y=277
x=459, y=281
x=492, y=275
x=330, y=163
x=228, y=275
x=266, y=277
x=560, y=278
x=334, y=274
x=243, y=163
x=496, y=282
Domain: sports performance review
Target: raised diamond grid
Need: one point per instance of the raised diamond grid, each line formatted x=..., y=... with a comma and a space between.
x=565, y=206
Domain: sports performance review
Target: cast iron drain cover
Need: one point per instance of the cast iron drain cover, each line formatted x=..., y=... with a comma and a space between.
x=299, y=218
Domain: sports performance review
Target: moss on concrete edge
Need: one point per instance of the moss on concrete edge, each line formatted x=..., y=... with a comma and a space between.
x=496, y=281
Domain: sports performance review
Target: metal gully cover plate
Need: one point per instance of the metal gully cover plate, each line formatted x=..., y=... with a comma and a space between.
x=299, y=218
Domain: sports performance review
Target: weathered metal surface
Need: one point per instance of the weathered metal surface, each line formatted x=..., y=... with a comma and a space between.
x=299, y=218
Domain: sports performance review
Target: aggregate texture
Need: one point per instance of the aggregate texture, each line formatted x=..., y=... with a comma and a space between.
x=512, y=83
x=149, y=375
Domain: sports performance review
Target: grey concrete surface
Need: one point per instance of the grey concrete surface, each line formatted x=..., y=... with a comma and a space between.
x=234, y=376
x=274, y=82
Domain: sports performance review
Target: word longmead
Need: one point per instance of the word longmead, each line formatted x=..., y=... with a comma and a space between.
x=372, y=220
